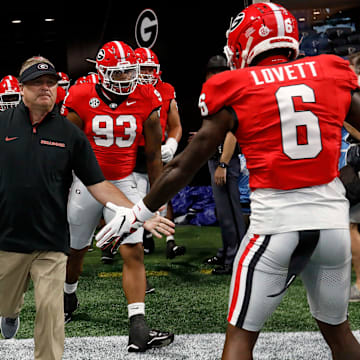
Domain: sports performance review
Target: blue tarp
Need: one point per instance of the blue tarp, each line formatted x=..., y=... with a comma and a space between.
x=194, y=205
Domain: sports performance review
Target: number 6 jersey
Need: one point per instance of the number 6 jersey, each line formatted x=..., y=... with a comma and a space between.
x=113, y=129
x=293, y=110
x=289, y=118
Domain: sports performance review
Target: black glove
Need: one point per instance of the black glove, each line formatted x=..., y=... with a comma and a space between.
x=351, y=140
x=351, y=181
x=353, y=157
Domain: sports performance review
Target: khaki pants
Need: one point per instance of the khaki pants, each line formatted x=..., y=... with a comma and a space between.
x=47, y=270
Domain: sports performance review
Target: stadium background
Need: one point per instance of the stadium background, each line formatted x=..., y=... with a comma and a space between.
x=187, y=37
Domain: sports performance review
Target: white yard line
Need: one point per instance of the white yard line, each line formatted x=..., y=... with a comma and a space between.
x=270, y=346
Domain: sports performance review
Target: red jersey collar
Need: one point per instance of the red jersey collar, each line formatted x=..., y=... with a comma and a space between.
x=273, y=60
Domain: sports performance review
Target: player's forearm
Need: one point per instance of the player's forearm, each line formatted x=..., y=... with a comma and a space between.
x=174, y=128
x=155, y=168
x=228, y=148
x=179, y=172
x=175, y=132
x=172, y=179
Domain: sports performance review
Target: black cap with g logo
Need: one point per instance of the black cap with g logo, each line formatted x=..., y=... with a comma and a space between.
x=37, y=70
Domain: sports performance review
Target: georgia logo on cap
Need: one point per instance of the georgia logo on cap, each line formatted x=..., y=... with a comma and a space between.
x=43, y=66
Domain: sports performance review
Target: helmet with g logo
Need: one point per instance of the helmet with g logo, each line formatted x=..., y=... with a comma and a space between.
x=259, y=28
x=117, y=68
x=149, y=66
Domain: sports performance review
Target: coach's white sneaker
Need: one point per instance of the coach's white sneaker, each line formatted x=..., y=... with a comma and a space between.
x=9, y=327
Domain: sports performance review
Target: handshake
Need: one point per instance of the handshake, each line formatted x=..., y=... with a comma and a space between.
x=127, y=220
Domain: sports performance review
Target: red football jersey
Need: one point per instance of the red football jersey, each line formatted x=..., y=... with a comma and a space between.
x=60, y=95
x=112, y=129
x=289, y=118
x=167, y=93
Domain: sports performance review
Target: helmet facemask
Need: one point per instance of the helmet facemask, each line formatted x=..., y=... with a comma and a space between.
x=149, y=73
x=121, y=79
x=64, y=84
x=9, y=100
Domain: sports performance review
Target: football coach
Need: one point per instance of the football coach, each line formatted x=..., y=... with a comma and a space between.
x=39, y=151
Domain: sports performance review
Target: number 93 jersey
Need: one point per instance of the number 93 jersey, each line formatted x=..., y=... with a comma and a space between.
x=113, y=129
x=289, y=118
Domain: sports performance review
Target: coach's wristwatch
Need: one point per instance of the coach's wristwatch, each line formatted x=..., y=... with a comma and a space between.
x=223, y=165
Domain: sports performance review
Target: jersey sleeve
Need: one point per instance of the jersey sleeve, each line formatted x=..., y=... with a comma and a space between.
x=342, y=73
x=212, y=100
x=71, y=100
x=85, y=165
x=168, y=94
x=168, y=91
x=153, y=96
x=60, y=94
x=344, y=77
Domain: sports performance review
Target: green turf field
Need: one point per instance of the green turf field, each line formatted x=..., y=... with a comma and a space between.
x=187, y=300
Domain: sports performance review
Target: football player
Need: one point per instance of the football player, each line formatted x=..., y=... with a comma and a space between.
x=287, y=115
x=91, y=78
x=63, y=88
x=9, y=92
x=64, y=82
x=113, y=114
x=149, y=73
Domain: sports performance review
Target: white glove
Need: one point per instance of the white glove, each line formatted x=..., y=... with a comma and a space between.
x=168, y=150
x=123, y=223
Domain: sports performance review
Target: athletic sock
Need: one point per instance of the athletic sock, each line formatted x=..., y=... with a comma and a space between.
x=70, y=288
x=136, y=309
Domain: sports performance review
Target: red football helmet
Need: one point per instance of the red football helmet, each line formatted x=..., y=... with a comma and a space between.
x=258, y=28
x=91, y=78
x=117, y=68
x=149, y=66
x=9, y=92
x=64, y=82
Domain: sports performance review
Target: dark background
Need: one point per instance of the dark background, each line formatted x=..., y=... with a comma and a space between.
x=187, y=38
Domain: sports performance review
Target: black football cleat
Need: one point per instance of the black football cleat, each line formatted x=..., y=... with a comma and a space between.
x=149, y=288
x=173, y=250
x=107, y=255
x=138, y=334
x=225, y=269
x=159, y=339
x=71, y=303
x=142, y=338
x=214, y=260
x=148, y=243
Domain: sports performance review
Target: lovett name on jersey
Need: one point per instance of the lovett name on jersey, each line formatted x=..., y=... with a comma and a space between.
x=284, y=73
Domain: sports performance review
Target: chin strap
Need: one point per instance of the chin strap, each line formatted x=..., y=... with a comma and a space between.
x=245, y=53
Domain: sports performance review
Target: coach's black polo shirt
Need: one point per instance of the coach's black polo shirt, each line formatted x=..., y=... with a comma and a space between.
x=36, y=164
